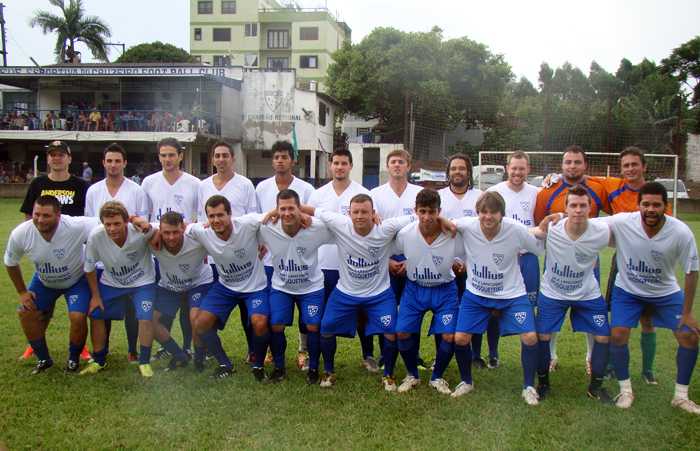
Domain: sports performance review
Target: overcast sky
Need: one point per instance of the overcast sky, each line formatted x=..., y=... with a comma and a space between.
x=526, y=32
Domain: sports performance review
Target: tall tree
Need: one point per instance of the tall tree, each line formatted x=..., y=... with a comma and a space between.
x=156, y=52
x=684, y=63
x=74, y=26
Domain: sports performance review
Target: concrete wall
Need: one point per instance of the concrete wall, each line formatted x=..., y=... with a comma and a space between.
x=357, y=151
x=13, y=190
x=692, y=160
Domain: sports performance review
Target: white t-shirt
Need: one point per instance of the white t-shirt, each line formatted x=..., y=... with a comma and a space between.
x=388, y=205
x=59, y=262
x=130, y=194
x=647, y=266
x=569, y=271
x=295, y=259
x=267, y=191
x=453, y=208
x=184, y=270
x=492, y=266
x=428, y=265
x=182, y=196
x=326, y=198
x=519, y=206
x=128, y=266
x=237, y=258
x=365, y=260
x=239, y=191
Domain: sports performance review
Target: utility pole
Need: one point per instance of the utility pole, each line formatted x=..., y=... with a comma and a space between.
x=4, y=44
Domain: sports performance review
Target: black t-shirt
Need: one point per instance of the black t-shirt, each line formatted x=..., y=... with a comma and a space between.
x=71, y=194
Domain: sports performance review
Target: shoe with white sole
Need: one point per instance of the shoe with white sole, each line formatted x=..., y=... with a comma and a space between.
x=462, y=389
x=530, y=395
x=441, y=386
x=408, y=383
x=624, y=400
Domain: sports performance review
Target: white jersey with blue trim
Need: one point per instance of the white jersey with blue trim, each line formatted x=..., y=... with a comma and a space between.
x=182, y=196
x=493, y=270
x=569, y=268
x=58, y=263
x=388, y=205
x=184, y=270
x=453, y=208
x=130, y=194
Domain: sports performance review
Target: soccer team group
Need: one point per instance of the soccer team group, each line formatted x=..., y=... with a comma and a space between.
x=357, y=262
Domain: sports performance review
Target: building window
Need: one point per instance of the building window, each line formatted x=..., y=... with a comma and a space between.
x=228, y=7
x=362, y=131
x=321, y=113
x=278, y=63
x=220, y=60
x=198, y=58
x=251, y=60
x=308, y=62
x=222, y=34
x=197, y=34
x=251, y=30
x=278, y=39
x=308, y=34
x=205, y=7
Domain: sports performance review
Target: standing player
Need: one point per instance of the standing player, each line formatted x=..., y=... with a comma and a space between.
x=492, y=244
x=649, y=247
x=283, y=159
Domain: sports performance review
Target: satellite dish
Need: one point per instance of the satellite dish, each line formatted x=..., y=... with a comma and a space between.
x=165, y=96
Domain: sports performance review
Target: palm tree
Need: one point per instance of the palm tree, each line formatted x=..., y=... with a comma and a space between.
x=74, y=26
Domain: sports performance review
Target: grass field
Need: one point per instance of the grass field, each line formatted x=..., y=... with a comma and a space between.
x=120, y=409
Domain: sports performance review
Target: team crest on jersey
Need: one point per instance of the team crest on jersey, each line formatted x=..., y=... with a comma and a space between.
x=532, y=296
x=373, y=251
x=196, y=296
x=497, y=258
x=301, y=251
x=599, y=320
x=59, y=253
x=386, y=320
x=446, y=319
x=184, y=267
x=525, y=205
x=132, y=256
x=313, y=309
x=179, y=199
x=256, y=303
x=147, y=305
x=72, y=299
x=408, y=211
x=656, y=255
x=678, y=317
x=520, y=317
x=437, y=260
x=581, y=257
x=240, y=253
x=345, y=210
x=468, y=213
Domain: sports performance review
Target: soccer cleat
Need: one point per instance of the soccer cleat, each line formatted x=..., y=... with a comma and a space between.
x=199, y=366
x=530, y=396
x=494, y=362
x=41, y=366
x=208, y=355
x=408, y=383
x=146, y=370
x=176, y=363
x=222, y=372
x=28, y=353
x=132, y=357
x=162, y=353
x=479, y=363
x=462, y=389
x=269, y=359
x=624, y=400
x=542, y=392
x=302, y=357
x=601, y=395
x=553, y=364
x=421, y=364
x=609, y=373
x=685, y=404
x=85, y=355
x=389, y=383
x=371, y=365
x=72, y=367
x=92, y=367
x=328, y=380
x=249, y=359
x=589, y=366
x=277, y=376
x=189, y=354
x=441, y=386
x=648, y=377
x=259, y=374
x=312, y=377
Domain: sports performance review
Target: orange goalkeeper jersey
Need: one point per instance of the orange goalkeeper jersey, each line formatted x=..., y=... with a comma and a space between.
x=552, y=200
x=621, y=198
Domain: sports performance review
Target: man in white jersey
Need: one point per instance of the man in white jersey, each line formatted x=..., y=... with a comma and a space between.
x=128, y=277
x=54, y=245
x=173, y=190
x=650, y=244
x=184, y=278
x=297, y=279
x=393, y=199
x=117, y=187
x=493, y=243
x=568, y=283
x=283, y=160
x=335, y=196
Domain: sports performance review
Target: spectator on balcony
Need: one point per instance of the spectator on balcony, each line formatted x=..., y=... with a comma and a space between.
x=48, y=123
x=141, y=119
x=95, y=117
x=82, y=121
x=82, y=107
x=155, y=123
x=178, y=114
x=6, y=121
x=73, y=108
x=158, y=108
x=70, y=121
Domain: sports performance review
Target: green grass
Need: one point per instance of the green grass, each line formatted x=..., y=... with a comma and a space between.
x=119, y=409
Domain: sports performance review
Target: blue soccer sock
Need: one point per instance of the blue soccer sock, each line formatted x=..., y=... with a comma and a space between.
x=260, y=345
x=41, y=349
x=213, y=343
x=74, y=351
x=391, y=352
x=442, y=359
x=328, y=347
x=543, y=363
x=416, y=345
x=380, y=340
x=475, y=345
x=131, y=325
x=100, y=357
x=685, y=361
x=173, y=348
x=528, y=357
x=408, y=353
x=199, y=353
x=493, y=336
x=366, y=342
x=186, y=325
x=438, y=341
x=464, y=362
x=600, y=357
x=278, y=346
x=145, y=356
x=313, y=344
x=620, y=356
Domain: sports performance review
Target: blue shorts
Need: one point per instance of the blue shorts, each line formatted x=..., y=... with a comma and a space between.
x=115, y=299
x=282, y=307
x=168, y=302
x=398, y=283
x=330, y=280
x=515, y=316
x=530, y=269
x=340, y=315
x=77, y=295
x=442, y=300
x=586, y=316
x=269, y=270
x=626, y=308
x=221, y=301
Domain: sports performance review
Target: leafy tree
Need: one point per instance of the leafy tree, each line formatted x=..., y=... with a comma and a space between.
x=684, y=63
x=156, y=52
x=73, y=27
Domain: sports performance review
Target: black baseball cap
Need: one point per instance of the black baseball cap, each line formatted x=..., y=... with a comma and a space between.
x=60, y=145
